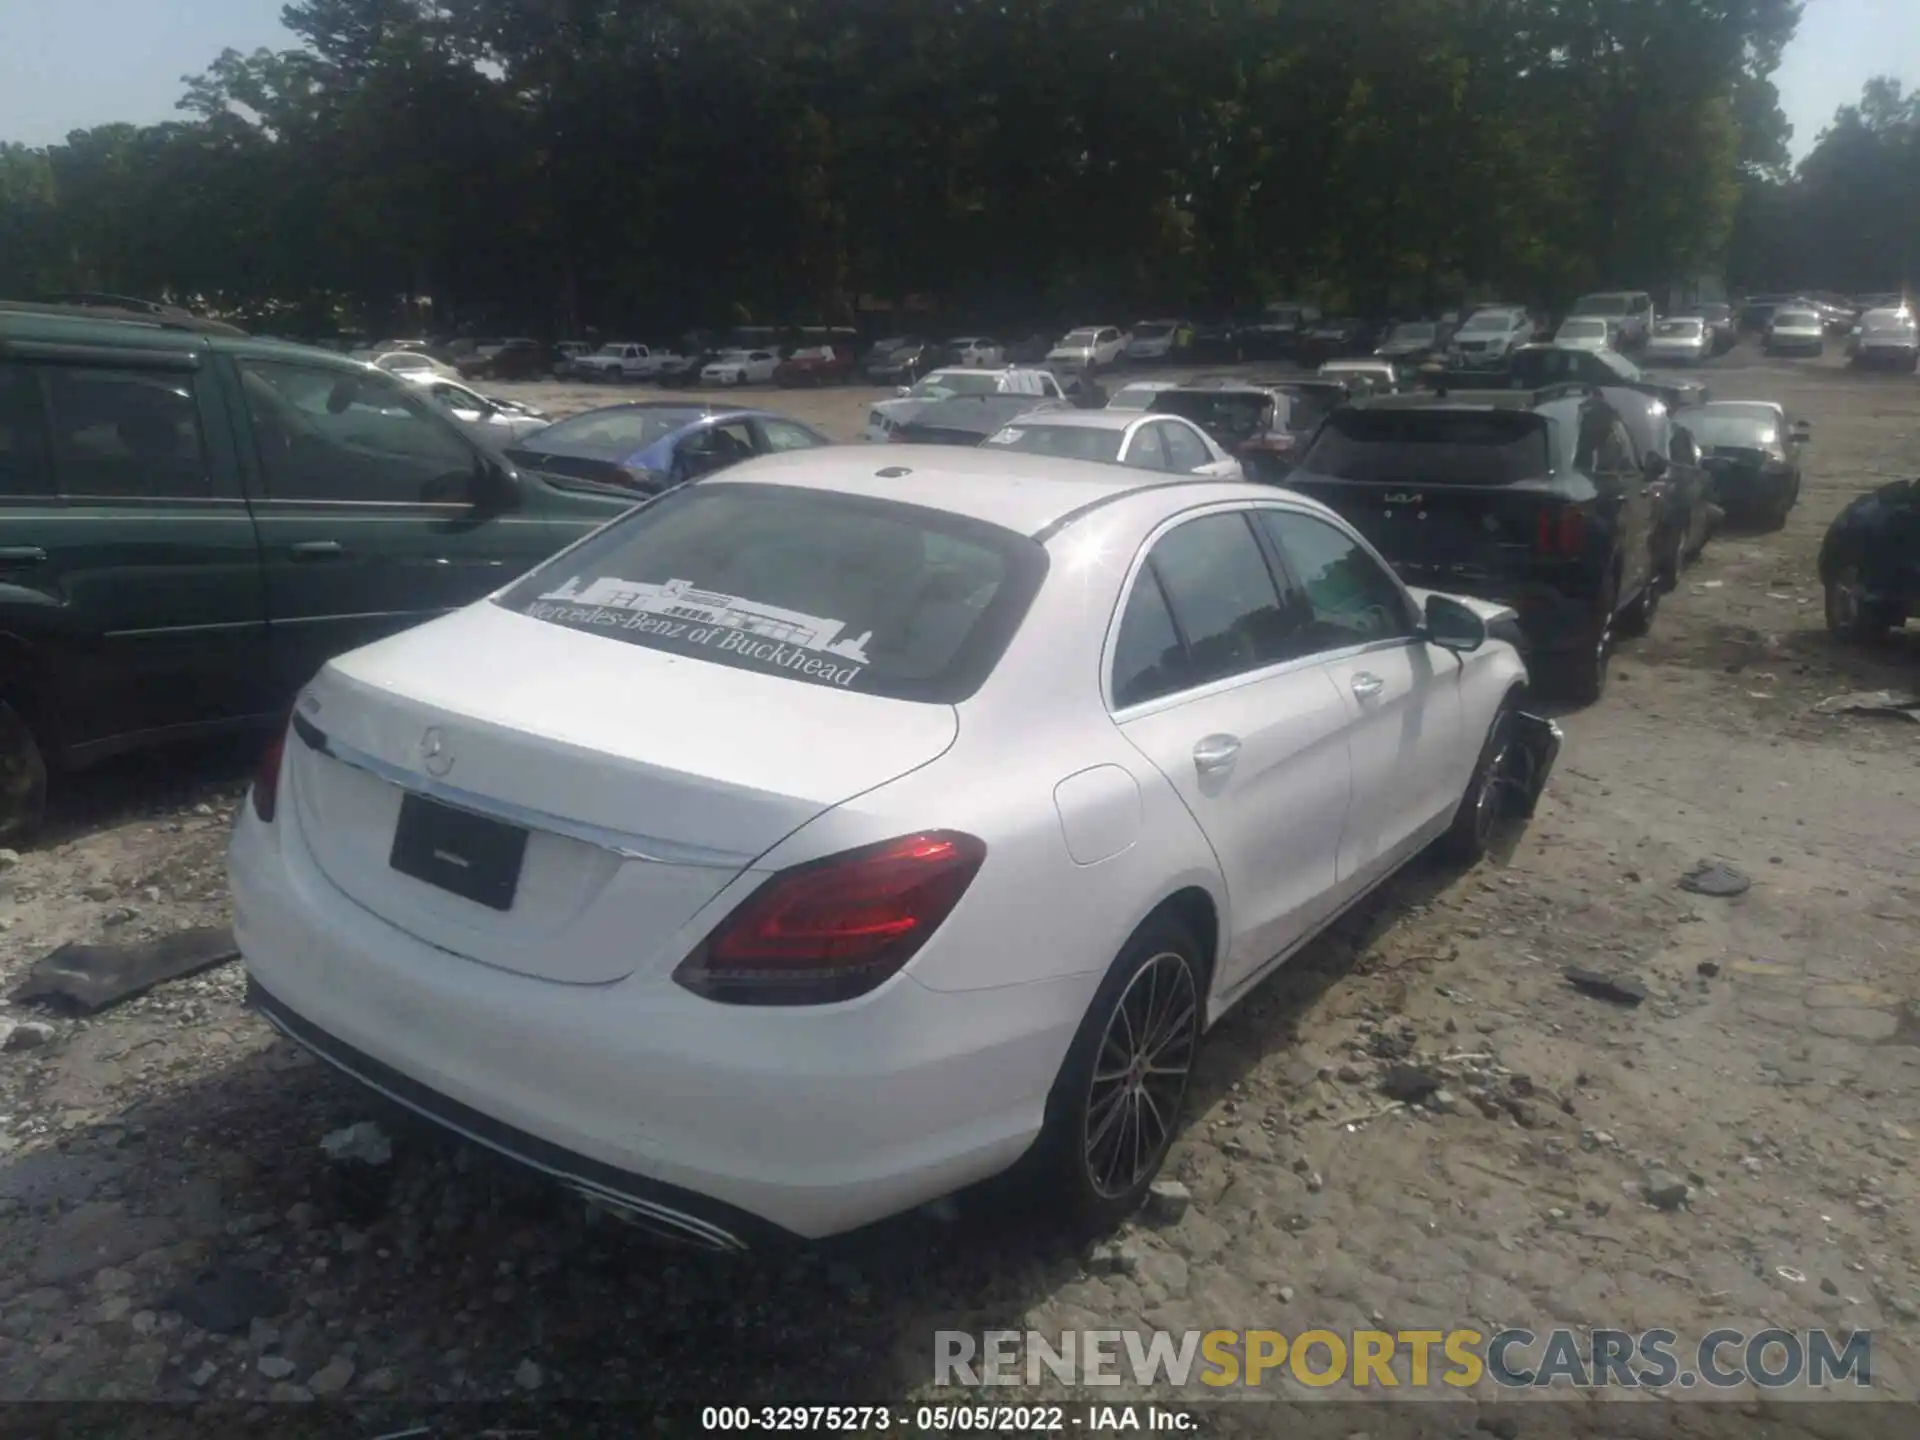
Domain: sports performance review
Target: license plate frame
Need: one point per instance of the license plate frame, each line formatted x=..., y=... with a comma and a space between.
x=464, y=853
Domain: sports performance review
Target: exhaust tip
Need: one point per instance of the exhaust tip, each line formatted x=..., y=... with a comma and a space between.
x=661, y=1223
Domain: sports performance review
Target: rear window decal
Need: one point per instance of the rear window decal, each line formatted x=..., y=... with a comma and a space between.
x=676, y=610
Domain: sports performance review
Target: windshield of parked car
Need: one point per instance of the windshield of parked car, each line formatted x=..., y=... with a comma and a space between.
x=404, y=360
x=1072, y=442
x=845, y=592
x=1743, y=428
x=1080, y=337
x=1151, y=330
x=1795, y=320
x=1603, y=305
x=1887, y=320
x=944, y=383
x=1431, y=447
x=1686, y=328
x=1135, y=397
x=1489, y=320
x=615, y=432
x=1584, y=330
x=1412, y=334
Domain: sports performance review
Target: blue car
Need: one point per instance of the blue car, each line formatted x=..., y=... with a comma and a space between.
x=652, y=445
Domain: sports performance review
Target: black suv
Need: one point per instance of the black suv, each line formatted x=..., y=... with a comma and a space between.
x=1535, y=500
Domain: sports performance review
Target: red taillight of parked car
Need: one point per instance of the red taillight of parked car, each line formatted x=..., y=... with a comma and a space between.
x=833, y=929
x=266, y=778
x=1561, y=532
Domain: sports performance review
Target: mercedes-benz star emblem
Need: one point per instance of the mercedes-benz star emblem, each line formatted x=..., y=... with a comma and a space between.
x=435, y=754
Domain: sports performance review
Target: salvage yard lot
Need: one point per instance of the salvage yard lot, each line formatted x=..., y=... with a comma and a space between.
x=1773, y=1073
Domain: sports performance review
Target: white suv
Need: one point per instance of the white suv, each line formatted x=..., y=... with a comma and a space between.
x=1092, y=347
x=1630, y=312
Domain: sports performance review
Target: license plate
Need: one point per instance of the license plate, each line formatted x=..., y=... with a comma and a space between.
x=472, y=856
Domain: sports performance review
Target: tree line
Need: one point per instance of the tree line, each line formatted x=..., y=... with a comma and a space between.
x=540, y=165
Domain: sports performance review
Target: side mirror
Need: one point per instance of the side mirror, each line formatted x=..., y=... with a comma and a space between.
x=494, y=489
x=902, y=391
x=1453, y=626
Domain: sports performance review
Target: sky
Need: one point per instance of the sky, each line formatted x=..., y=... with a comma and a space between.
x=68, y=64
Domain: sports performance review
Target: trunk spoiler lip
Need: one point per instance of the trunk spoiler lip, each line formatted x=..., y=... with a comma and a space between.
x=647, y=849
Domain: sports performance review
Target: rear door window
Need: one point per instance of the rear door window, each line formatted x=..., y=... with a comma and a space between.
x=25, y=466
x=126, y=433
x=1147, y=451
x=845, y=591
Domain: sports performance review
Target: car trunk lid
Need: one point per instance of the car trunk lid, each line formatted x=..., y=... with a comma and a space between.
x=566, y=820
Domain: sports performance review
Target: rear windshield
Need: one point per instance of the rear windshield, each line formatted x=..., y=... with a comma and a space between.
x=1152, y=330
x=1134, y=397
x=1432, y=447
x=1071, y=442
x=1603, y=305
x=1888, y=320
x=1584, y=327
x=960, y=382
x=1489, y=320
x=844, y=591
x=1242, y=412
x=1535, y=369
x=1682, y=327
x=616, y=431
x=1749, y=430
x=1789, y=319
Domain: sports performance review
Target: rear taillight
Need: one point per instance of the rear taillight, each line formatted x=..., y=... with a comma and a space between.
x=266, y=778
x=835, y=928
x=1561, y=532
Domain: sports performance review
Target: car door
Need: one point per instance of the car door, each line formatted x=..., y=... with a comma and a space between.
x=1206, y=681
x=127, y=558
x=1404, y=741
x=374, y=512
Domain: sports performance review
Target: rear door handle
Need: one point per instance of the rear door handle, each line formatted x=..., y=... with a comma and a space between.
x=22, y=555
x=1366, y=686
x=318, y=550
x=1216, y=753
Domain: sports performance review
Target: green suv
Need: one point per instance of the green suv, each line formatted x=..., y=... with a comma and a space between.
x=192, y=521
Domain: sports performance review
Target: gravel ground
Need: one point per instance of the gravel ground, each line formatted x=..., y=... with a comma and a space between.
x=1766, y=1093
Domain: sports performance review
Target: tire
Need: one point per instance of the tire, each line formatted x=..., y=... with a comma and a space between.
x=1083, y=1157
x=1475, y=823
x=1579, y=677
x=23, y=777
x=1848, y=616
x=1637, y=619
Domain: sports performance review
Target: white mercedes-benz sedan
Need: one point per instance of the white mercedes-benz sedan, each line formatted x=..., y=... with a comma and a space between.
x=840, y=829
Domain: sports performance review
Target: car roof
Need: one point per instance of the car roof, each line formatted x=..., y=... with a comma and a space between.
x=1092, y=419
x=1020, y=492
x=50, y=326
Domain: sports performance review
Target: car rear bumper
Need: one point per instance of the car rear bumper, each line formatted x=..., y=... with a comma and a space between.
x=1737, y=490
x=723, y=1125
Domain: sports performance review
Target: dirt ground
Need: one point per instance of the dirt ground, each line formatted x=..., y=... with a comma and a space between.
x=1772, y=1075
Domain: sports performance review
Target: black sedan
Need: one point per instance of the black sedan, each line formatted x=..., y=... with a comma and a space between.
x=1870, y=562
x=1752, y=455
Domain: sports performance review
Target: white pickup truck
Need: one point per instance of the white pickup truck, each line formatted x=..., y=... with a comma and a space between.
x=624, y=360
